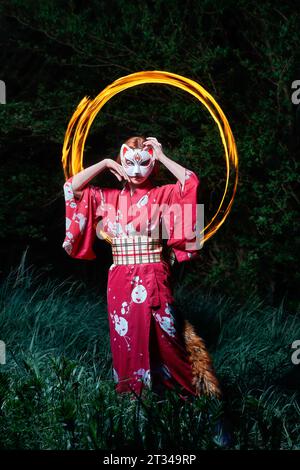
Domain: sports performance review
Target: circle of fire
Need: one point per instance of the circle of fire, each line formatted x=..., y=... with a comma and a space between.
x=87, y=110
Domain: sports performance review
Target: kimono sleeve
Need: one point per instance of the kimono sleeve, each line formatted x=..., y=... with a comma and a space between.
x=80, y=220
x=180, y=218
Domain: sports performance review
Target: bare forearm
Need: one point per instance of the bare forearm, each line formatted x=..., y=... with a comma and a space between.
x=81, y=179
x=174, y=167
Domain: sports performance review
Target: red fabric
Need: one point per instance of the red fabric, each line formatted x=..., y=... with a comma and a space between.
x=147, y=347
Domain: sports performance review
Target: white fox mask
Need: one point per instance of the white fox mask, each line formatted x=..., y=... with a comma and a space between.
x=137, y=162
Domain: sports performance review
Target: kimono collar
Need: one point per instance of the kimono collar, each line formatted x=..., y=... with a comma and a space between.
x=141, y=188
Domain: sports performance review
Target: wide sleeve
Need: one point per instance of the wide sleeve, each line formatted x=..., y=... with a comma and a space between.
x=80, y=216
x=181, y=218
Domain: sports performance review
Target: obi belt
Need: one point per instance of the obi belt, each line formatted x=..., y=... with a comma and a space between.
x=136, y=250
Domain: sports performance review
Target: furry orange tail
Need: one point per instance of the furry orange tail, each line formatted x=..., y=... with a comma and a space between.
x=204, y=378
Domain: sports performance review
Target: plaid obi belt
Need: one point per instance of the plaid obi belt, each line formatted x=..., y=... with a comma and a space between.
x=135, y=250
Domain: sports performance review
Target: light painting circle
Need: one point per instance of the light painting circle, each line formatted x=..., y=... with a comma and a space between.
x=87, y=110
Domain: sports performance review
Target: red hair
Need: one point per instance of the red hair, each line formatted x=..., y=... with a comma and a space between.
x=136, y=142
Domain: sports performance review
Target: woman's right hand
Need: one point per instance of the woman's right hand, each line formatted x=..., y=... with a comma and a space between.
x=116, y=169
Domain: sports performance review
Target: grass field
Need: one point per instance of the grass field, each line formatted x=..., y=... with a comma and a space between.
x=57, y=392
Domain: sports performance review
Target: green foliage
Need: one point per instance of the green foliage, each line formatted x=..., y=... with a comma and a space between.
x=57, y=391
x=244, y=53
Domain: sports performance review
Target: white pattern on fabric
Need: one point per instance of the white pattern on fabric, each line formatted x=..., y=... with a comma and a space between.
x=129, y=228
x=68, y=191
x=115, y=227
x=115, y=375
x=119, y=215
x=68, y=223
x=82, y=221
x=125, y=308
x=67, y=246
x=144, y=375
x=166, y=321
x=143, y=201
x=139, y=294
x=121, y=325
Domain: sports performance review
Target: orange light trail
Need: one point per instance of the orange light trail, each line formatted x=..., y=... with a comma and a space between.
x=87, y=110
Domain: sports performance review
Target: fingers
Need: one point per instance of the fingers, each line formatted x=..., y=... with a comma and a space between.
x=119, y=172
x=116, y=174
x=123, y=173
x=149, y=144
x=151, y=141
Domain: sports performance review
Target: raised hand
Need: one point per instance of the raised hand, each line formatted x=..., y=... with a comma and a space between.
x=116, y=169
x=174, y=167
x=157, y=147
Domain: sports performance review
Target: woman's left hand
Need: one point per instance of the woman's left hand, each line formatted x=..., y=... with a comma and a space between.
x=157, y=147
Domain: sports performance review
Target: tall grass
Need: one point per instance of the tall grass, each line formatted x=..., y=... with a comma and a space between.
x=57, y=392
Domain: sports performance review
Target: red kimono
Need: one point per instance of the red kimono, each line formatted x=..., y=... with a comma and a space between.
x=147, y=348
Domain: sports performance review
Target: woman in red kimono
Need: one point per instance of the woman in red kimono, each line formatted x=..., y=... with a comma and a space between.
x=147, y=347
